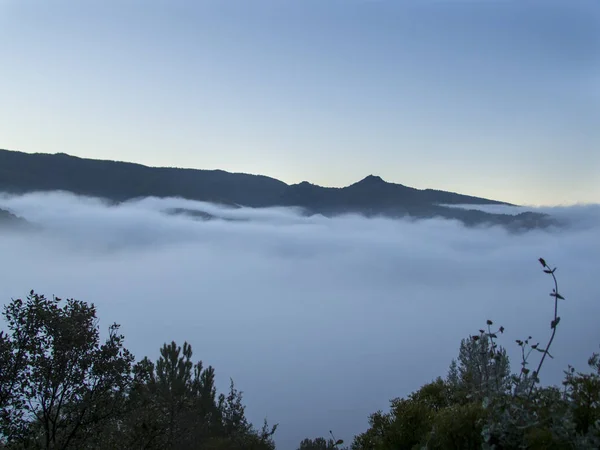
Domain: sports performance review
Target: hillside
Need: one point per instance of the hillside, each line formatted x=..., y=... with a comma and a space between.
x=8, y=219
x=119, y=181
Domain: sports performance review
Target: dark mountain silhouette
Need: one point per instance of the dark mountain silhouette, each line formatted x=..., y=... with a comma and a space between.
x=8, y=219
x=372, y=195
x=119, y=181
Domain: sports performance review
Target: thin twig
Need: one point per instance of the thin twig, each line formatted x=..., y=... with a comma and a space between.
x=556, y=296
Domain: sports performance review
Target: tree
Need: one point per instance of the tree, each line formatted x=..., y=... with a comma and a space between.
x=11, y=409
x=317, y=444
x=233, y=412
x=59, y=383
x=583, y=391
x=409, y=422
x=173, y=404
x=481, y=405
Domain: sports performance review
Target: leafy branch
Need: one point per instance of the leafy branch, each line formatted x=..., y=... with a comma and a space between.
x=553, y=324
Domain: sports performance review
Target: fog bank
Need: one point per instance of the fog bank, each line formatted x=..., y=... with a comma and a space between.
x=319, y=321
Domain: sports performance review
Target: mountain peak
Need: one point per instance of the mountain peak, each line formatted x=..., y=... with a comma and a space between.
x=372, y=180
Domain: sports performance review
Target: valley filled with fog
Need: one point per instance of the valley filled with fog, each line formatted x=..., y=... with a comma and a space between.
x=319, y=321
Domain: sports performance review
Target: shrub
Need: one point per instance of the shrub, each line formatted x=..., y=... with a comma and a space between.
x=481, y=404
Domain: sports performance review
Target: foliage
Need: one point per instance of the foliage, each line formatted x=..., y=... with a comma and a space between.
x=61, y=388
x=457, y=427
x=59, y=382
x=319, y=444
x=481, y=404
x=173, y=404
x=582, y=390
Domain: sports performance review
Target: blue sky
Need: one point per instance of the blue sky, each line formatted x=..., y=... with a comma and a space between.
x=492, y=98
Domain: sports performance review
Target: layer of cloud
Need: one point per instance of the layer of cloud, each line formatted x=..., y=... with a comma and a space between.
x=319, y=321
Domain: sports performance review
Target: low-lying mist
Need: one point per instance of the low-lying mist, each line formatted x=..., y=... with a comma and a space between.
x=319, y=321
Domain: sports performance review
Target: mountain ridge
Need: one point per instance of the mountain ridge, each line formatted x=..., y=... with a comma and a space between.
x=8, y=219
x=121, y=181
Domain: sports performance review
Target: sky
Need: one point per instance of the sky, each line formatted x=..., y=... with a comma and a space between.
x=320, y=322
x=499, y=99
